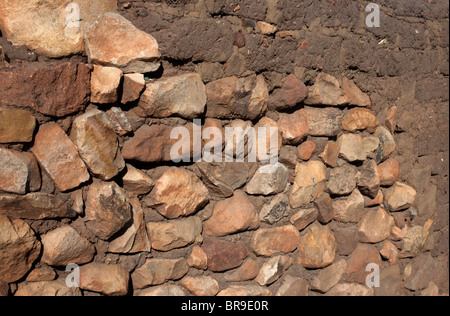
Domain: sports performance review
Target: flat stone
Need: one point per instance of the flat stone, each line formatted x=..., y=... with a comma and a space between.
x=273, y=269
x=324, y=121
x=164, y=290
x=201, y=286
x=245, y=290
x=16, y=126
x=309, y=183
x=136, y=181
x=330, y=154
x=329, y=277
x=105, y=83
x=269, y=241
x=375, y=226
x=223, y=255
x=304, y=217
x=389, y=172
x=110, y=280
x=350, y=289
x=19, y=172
x=359, y=120
x=351, y=147
x=47, y=289
x=265, y=182
x=247, y=271
x=58, y=155
x=293, y=127
x=133, y=85
x=275, y=210
x=306, y=150
x=159, y=271
x=399, y=197
x=293, y=286
x=342, y=180
x=368, y=179
x=362, y=256
x=349, y=209
x=317, y=248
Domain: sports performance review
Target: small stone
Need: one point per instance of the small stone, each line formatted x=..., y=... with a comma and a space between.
x=342, y=180
x=351, y=147
x=59, y=157
x=350, y=289
x=47, y=289
x=293, y=127
x=119, y=120
x=42, y=273
x=330, y=154
x=179, y=233
x=133, y=85
x=19, y=172
x=266, y=28
x=363, y=255
x=164, y=290
x=309, y=183
x=359, y=120
x=16, y=126
x=232, y=215
x=133, y=50
x=356, y=96
x=265, y=182
x=107, y=209
x=327, y=91
x=317, y=248
x=388, y=172
x=423, y=271
x=368, y=179
x=239, y=40
x=245, y=290
x=182, y=96
x=269, y=241
x=306, y=150
x=324, y=121
x=198, y=259
x=223, y=255
x=247, y=271
x=399, y=197
x=378, y=200
x=64, y=246
x=201, y=286
x=288, y=156
x=415, y=240
x=350, y=209
x=293, y=286
x=370, y=146
x=324, y=205
x=275, y=210
x=390, y=252
x=273, y=269
x=387, y=144
x=292, y=92
x=329, y=277
x=304, y=217
x=105, y=83
x=111, y=280
x=375, y=226
x=137, y=182
x=159, y=271
x=94, y=136
x=346, y=238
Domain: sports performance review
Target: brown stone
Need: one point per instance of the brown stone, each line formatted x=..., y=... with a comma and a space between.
x=399, y=197
x=350, y=289
x=42, y=273
x=423, y=271
x=306, y=150
x=159, y=271
x=292, y=92
x=391, y=119
x=324, y=121
x=268, y=180
x=179, y=193
x=359, y=119
x=363, y=255
x=268, y=147
x=388, y=172
x=164, y=290
x=223, y=255
x=198, y=259
x=351, y=147
x=110, y=280
x=19, y=172
x=59, y=157
x=342, y=180
x=368, y=179
x=330, y=154
x=245, y=290
x=309, y=183
x=293, y=127
x=325, y=208
x=137, y=182
x=247, y=271
x=16, y=126
x=273, y=269
x=304, y=217
x=232, y=215
x=317, y=248
x=387, y=144
x=275, y=210
x=105, y=83
x=293, y=286
x=54, y=90
x=19, y=248
x=327, y=91
x=201, y=286
x=415, y=240
x=390, y=252
x=375, y=226
x=349, y=209
x=269, y=241
x=47, y=289
x=346, y=238
x=120, y=121
x=355, y=95
x=133, y=85
x=329, y=277
x=378, y=200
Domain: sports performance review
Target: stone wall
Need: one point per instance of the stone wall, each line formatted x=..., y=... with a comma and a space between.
x=87, y=176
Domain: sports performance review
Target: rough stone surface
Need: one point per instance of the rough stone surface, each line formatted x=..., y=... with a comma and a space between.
x=351, y=147
x=423, y=270
x=269, y=241
x=292, y=92
x=306, y=150
x=47, y=289
x=136, y=181
x=330, y=154
x=342, y=180
x=309, y=183
x=133, y=85
x=387, y=144
x=349, y=209
x=399, y=197
x=247, y=271
x=350, y=289
x=273, y=269
x=16, y=126
x=223, y=255
x=19, y=172
x=304, y=217
x=201, y=286
x=267, y=183
x=360, y=119
x=293, y=286
x=369, y=179
x=324, y=121
x=105, y=83
x=293, y=127
x=389, y=172
x=275, y=210
x=327, y=91
x=158, y=271
x=375, y=226
x=111, y=280
x=245, y=290
x=363, y=255
x=329, y=277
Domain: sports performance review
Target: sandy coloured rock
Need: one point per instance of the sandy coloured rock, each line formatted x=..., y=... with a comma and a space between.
x=399, y=197
x=349, y=209
x=136, y=181
x=273, y=269
x=293, y=127
x=268, y=179
x=360, y=119
x=133, y=85
x=16, y=126
x=309, y=183
x=159, y=271
x=19, y=172
x=269, y=241
x=105, y=83
x=111, y=280
x=375, y=226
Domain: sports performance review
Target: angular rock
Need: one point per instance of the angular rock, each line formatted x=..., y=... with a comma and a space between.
x=247, y=271
x=133, y=50
x=59, y=157
x=233, y=98
x=182, y=96
x=317, y=248
x=198, y=259
x=363, y=255
x=269, y=241
x=293, y=127
x=97, y=143
x=53, y=28
x=350, y=289
x=399, y=197
x=133, y=85
x=390, y=282
x=390, y=252
x=107, y=209
x=64, y=246
x=375, y=226
x=329, y=277
x=174, y=234
x=42, y=273
x=342, y=180
x=378, y=200
x=293, y=286
x=324, y=205
x=232, y=215
x=19, y=248
x=370, y=146
x=359, y=120
x=266, y=28
x=387, y=144
x=351, y=147
x=327, y=91
x=105, y=83
x=324, y=121
x=346, y=238
x=34, y=206
x=135, y=239
x=53, y=90
x=164, y=290
x=292, y=92
x=356, y=96
x=159, y=271
x=120, y=121
x=137, y=182
x=110, y=280
x=416, y=240
x=245, y=290
x=330, y=154
x=306, y=150
x=304, y=217
x=223, y=255
x=389, y=172
x=309, y=183
x=47, y=289
x=350, y=209
x=423, y=271
x=275, y=210
x=273, y=269
x=267, y=183
x=19, y=172
x=368, y=179
x=179, y=193
x=201, y=286
x=16, y=126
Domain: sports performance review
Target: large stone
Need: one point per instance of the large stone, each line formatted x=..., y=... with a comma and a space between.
x=390, y=282
x=105, y=83
x=292, y=92
x=233, y=98
x=52, y=27
x=416, y=240
x=110, y=280
x=309, y=183
x=349, y=209
x=363, y=255
x=19, y=172
x=269, y=241
x=107, y=209
x=159, y=271
x=64, y=246
x=59, y=157
x=223, y=255
x=327, y=91
x=34, y=206
x=114, y=41
x=19, y=248
x=273, y=269
x=399, y=197
x=201, y=286
x=324, y=121
x=97, y=143
x=342, y=180
x=317, y=247
x=55, y=288
x=119, y=119
x=178, y=233
x=267, y=183
x=182, y=96
x=306, y=150
x=359, y=119
x=275, y=210
x=375, y=226
x=329, y=277
x=293, y=127
x=356, y=96
x=232, y=215
x=179, y=193
x=16, y=126
x=53, y=90
x=351, y=147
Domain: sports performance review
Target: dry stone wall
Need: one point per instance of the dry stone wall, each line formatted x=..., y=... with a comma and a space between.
x=90, y=179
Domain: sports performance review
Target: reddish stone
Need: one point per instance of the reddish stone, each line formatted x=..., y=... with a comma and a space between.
x=294, y=127
x=291, y=93
x=306, y=150
x=356, y=264
x=223, y=255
